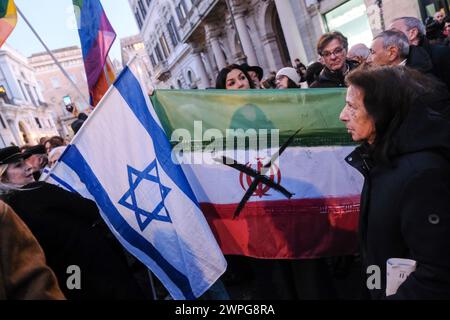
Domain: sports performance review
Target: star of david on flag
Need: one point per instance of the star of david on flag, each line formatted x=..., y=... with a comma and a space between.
x=134, y=198
x=121, y=159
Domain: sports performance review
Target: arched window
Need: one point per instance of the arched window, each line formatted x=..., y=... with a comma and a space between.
x=189, y=76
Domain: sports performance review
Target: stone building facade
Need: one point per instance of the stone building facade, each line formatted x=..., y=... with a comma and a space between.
x=56, y=88
x=25, y=117
x=134, y=46
x=189, y=41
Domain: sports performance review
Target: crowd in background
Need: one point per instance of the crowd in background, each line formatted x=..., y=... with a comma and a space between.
x=413, y=61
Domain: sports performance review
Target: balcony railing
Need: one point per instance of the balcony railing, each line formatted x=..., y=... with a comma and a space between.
x=162, y=72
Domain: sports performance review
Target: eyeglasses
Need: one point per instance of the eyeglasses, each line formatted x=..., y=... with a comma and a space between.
x=336, y=52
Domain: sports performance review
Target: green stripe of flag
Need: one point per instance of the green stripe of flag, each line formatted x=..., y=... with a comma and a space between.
x=316, y=111
x=3, y=8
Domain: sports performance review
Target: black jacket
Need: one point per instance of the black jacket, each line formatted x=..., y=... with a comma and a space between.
x=405, y=207
x=331, y=79
x=441, y=61
x=420, y=60
x=71, y=232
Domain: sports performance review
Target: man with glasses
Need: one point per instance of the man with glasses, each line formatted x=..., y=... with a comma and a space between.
x=332, y=47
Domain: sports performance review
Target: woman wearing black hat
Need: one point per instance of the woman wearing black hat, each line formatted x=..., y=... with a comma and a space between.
x=71, y=232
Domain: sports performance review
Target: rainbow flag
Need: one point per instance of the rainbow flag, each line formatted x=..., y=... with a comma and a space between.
x=8, y=19
x=96, y=36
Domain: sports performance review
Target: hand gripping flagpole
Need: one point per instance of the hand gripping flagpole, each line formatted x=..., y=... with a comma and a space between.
x=53, y=57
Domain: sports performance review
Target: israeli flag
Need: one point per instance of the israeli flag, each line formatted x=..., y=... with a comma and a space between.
x=121, y=159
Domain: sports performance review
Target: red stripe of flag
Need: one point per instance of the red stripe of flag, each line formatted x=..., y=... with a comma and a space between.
x=305, y=228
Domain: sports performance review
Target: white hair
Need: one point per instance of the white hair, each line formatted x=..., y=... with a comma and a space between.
x=6, y=187
x=359, y=50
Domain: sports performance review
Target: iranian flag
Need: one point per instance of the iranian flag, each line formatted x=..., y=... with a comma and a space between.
x=267, y=167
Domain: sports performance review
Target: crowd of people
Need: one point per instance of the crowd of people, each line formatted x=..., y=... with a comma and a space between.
x=397, y=107
x=407, y=41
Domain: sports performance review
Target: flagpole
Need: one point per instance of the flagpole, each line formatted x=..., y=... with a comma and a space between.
x=53, y=57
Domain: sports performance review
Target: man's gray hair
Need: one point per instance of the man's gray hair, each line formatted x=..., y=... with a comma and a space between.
x=411, y=23
x=396, y=39
x=359, y=50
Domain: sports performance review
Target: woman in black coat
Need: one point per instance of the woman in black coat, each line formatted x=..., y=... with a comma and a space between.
x=71, y=233
x=403, y=120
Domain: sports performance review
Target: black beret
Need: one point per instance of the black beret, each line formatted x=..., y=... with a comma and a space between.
x=259, y=71
x=39, y=149
x=11, y=155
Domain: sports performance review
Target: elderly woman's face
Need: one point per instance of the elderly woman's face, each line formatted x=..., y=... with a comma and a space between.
x=19, y=173
x=236, y=80
x=358, y=122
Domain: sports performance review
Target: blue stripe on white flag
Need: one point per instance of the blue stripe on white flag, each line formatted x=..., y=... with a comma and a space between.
x=131, y=91
x=63, y=183
x=74, y=159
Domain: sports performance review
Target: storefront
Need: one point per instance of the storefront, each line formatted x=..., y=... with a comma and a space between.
x=351, y=20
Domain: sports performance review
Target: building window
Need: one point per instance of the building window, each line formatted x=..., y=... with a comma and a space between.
x=143, y=10
x=38, y=123
x=189, y=75
x=351, y=20
x=165, y=47
x=4, y=94
x=152, y=59
x=158, y=53
x=173, y=32
x=3, y=122
x=180, y=86
x=181, y=11
x=37, y=95
x=23, y=90
x=138, y=19
x=55, y=82
x=27, y=86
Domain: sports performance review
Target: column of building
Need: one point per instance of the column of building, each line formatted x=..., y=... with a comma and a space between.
x=291, y=33
x=238, y=12
x=199, y=65
x=212, y=36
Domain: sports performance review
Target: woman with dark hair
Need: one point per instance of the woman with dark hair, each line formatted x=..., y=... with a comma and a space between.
x=403, y=120
x=234, y=77
x=71, y=232
x=54, y=142
x=287, y=78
